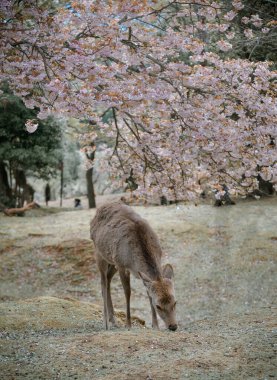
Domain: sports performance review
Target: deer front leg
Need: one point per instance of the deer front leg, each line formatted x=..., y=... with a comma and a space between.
x=125, y=280
x=155, y=323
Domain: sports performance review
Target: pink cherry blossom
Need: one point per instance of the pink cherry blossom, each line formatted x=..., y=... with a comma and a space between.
x=31, y=126
x=183, y=114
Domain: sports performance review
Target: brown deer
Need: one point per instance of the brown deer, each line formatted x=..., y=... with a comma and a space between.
x=126, y=242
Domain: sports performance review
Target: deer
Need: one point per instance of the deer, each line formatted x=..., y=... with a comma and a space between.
x=126, y=243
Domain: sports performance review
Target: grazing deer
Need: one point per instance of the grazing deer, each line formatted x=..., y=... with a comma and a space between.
x=126, y=242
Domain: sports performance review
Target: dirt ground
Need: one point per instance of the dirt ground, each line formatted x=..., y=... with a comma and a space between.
x=225, y=280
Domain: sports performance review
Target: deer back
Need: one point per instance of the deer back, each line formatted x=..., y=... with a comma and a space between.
x=124, y=239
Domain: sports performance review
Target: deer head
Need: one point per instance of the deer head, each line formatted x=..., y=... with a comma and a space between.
x=161, y=292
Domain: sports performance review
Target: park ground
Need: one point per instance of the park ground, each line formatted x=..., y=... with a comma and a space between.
x=225, y=280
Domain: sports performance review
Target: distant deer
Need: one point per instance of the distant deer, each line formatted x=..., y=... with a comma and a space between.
x=126, y=242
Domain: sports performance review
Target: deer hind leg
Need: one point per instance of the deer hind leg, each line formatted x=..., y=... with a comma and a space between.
x=104, y=268
x=111, y=272
x=125, y=280
x=104, y=287
x=155, y=323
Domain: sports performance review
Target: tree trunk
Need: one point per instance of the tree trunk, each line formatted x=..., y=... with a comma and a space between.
x=90, y=188
x=6, y=196
x=265, y=187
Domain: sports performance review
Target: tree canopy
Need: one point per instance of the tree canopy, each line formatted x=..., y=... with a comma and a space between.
x=38, y=153
x=23, y=153
x=185, y=104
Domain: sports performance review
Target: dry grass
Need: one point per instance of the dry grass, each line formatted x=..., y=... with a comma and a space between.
x=44, y=313
x=225, y=280
x=75, y=258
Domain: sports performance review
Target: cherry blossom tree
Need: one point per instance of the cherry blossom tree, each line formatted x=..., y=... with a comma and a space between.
x=184, y=111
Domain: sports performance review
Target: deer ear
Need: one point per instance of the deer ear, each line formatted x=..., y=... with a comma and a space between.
x=146, y=280
x=168, y=271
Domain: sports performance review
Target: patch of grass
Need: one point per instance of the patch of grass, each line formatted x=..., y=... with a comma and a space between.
x=45, y=313
x=75, y=259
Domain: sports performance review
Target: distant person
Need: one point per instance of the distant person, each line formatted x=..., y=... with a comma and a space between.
x=77, y=203
x=47, y=194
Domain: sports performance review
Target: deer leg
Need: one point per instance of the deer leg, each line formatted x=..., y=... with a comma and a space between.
x=105, y=297
x=155, y=323
x=125, y=280
x=103, y=268
x=111, y=272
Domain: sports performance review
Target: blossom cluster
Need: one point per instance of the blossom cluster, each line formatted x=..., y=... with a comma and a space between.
x=185, y=116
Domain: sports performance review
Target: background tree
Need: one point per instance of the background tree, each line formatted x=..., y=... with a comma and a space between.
x=90, y=154
x=183, y=104
x=23, y=153
x=256, y=31
x=92, y=142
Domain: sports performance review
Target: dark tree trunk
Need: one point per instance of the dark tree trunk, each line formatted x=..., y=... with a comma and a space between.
x=22, y=190
x=265, y=187
x=90, y=188
x=47, y=193
x=6, y=196
x=89, y=176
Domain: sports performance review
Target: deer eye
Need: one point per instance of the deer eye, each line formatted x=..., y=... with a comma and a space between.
x=158, y=307
x=174, y=305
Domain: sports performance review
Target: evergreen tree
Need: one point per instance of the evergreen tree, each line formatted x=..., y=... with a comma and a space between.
x=23, y=153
